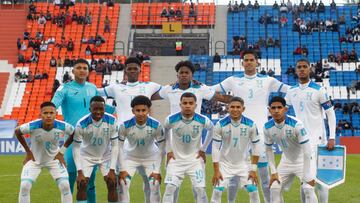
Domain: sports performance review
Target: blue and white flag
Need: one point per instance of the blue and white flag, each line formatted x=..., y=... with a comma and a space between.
x=331, y=166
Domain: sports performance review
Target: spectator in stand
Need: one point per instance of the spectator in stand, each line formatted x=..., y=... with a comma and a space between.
x=84, y=19
x=23, y=46
x=271, y=73
x=26, y=35
x=283, y=8
x=289, y=6
x=70, y=45
x=32, y=9
x=30, y=77
x=353, y=56
x=242, y=6
x=217, y=58
x=53, y=62
x=42, y=20
x=249, y=6
x=38, y=76
x=331, y=57
x=236, y=7
x=270, y=42
x=290, y=71
x=321, y=7
x=66, y=77
x=48, y=16
x=333, y=5
x=263, y=72
x=107, y=23
x=261, y=42
x=34, y=57
x=343, y=39
x=18, y=43
x=256, y=5
x=275, y=5
x=283, y=21
x=88, y=50
x=178, y=14
x=17, y=75
x=304, y=51
x=57, y=2
x=342, y=19
x=171, y=12
x=140, y=56
x=67, y=62
x=192, y=13
x=229, y=6
x=43, y=46
x=74, y=16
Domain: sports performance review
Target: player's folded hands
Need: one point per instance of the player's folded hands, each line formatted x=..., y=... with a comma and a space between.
x=216, y=178
x=81, y=180
x=156, y=176
x=202, y=154
x=274, y=177
x=29, y=156
x=253, y=177
x=111, y=177
x=60, y=157
x=169, y=155
x=122, y=176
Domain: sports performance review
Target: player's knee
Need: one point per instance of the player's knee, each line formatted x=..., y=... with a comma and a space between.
x=275, y=185
x=64, y=186
x=308, y=189
x=170, y=189
x=25, y=187
x=251, y=188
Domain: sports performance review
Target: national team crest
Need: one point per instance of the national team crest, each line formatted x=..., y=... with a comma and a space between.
x=331, y=166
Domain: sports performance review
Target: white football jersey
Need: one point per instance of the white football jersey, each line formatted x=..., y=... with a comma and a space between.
x=187, y=135
x=95, y=136
x=141, y=141
x=309, y=102
x=235, y=138
x=45, y=144
x=289, y=135
x=173, y=94
x=123, y=95
x=255, y=91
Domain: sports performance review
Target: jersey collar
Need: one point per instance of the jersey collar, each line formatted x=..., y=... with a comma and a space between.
x=132, y=84
x=304, y=86
x=177, y=86
x=250, y=76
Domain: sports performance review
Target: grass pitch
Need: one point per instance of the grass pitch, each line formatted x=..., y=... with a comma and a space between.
x=45, y=189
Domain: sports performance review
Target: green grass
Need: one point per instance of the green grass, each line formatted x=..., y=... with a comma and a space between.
x=45, y=189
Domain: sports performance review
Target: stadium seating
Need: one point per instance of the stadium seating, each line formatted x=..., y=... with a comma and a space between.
x=145, y=14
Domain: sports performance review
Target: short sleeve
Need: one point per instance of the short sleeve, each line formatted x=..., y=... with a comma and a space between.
x=268, y=139
x=167, y=123
x=107, y=91
x=217, y=136
x=208, y=124
x=155, y=88
x=25, y=128
x=225, y=86
x=59, y=96
x=114, y=131
x=160, y=135
x=164, y=92
x=69, y=129
x=287, y=99
x=122, y=132
x=78, y=136
x=324, y=99
x=277, y=86
x=207, y=92
x=301, y=133
x=254, y=134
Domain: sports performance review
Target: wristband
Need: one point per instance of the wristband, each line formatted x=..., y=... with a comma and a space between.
x=62, y=150
x=254, y=167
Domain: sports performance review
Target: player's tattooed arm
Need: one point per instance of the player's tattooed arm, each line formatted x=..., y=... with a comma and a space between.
x=29, y=154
